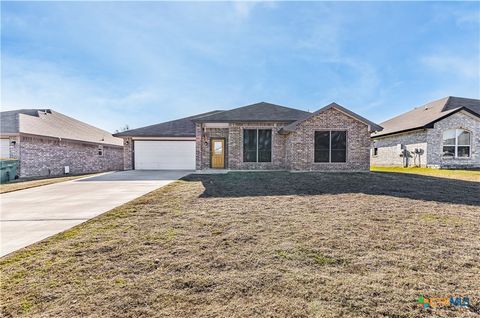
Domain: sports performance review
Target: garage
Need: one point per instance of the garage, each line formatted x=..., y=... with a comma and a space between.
x=164, y=154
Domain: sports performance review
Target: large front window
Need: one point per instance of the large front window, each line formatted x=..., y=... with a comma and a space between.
x=330, y=146
x=456, y=143
x=257, y=145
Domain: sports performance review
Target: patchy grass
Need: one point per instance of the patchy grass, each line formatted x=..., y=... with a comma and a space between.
x=261, y=245
x=26, y=184
x=468, y=175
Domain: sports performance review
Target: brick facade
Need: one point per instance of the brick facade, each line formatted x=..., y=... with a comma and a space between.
x=43, y=156
x=128, y=153
x=430, y=142
x=390, y=148
x=293, y=151
x=300, y=143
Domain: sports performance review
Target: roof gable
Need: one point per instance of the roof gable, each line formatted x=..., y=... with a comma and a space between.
x=255, y=113
x=425, y=116
x=372, y=126
x=49, y=123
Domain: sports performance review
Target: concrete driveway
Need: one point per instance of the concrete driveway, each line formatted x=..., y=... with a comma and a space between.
x=31, y=215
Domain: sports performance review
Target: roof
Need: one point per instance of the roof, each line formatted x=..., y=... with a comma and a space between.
x=47, y=122
x=372, y=125
x=426, y=115
x=262, y=112
x=183, y=127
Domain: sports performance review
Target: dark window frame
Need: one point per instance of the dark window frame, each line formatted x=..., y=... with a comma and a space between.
x=257, y=137
x=330, y=146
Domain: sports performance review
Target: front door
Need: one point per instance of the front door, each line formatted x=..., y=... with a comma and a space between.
x=218, y=153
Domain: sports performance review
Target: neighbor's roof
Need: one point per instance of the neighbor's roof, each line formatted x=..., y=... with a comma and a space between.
x=46, y=122
x=183, y=127
x=372, y=125
x=254, y=113
x=425, y=116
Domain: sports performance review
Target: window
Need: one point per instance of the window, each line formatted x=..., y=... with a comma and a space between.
x=100, y=150
x=330, y=146
x=456, y=143
x=257, y=145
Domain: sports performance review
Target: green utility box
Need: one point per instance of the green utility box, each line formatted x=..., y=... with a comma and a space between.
x=8, y=170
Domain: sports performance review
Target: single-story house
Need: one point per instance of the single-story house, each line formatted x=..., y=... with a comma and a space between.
x=260, y=136
x=442, y=134
x=48, y=143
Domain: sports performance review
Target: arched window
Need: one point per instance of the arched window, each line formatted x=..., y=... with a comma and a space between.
x=456, y=143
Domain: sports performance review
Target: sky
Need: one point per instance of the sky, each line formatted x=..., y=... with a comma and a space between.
x=140, y=63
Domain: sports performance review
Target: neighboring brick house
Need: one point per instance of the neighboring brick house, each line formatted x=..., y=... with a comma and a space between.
x=261, y=136
x=48, y=143
x=441, y=134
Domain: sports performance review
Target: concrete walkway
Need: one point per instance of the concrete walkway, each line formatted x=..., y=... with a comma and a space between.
x=31, y=215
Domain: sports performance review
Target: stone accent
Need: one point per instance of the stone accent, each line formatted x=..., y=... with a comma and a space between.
x=430, y=142
x=44, y=156
x=300, y=143
x=390, y=148
x=128, y=153
x=461, y=120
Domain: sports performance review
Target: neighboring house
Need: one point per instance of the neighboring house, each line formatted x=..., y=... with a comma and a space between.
x=261, y=136
x=441, y=134
x=48, y=143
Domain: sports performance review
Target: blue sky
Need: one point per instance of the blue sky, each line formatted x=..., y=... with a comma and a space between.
x=112, y=64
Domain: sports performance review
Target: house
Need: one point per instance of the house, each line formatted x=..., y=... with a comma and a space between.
x=442, y=134
x=48, y=143
x=260, y=136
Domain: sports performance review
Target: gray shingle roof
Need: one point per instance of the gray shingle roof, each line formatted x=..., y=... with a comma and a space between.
x=293, y=126
x=47, y=122
x=425, y=116
x=256, y=112
x=183, y=127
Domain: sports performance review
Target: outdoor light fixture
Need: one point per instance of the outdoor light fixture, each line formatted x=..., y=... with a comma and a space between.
x=13, y=142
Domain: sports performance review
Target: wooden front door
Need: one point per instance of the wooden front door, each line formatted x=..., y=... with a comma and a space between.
x=218, y=153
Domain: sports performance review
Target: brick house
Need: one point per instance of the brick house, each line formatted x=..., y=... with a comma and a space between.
x=261, y=136
x=48, y=143
x=442, y=134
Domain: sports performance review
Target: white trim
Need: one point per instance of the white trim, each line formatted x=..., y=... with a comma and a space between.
x=163, y=138
x=216, y=125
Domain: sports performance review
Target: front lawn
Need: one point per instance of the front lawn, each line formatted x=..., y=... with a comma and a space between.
x=468, y=175
x=261, y=245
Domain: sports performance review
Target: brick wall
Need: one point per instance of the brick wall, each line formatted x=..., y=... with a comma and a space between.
x=235, y=142
x=300, y=143
x=203, y=156
x=43, y=156
x=128, y=153
x=389, y=149
x=460, y=120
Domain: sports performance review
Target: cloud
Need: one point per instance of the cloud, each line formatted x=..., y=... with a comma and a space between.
x=468, y=67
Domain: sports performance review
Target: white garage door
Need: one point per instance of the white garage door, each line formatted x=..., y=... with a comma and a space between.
x=164, y=155
x=5, y=148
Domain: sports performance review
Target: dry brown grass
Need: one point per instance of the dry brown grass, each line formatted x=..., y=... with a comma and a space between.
x=261, y=245
x=26, y=184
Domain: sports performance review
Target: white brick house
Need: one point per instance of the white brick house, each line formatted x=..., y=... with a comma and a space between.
x=441, y=134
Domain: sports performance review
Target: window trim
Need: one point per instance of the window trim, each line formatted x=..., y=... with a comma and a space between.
x=330, y=147
x=456, y=145
x=256, y=151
